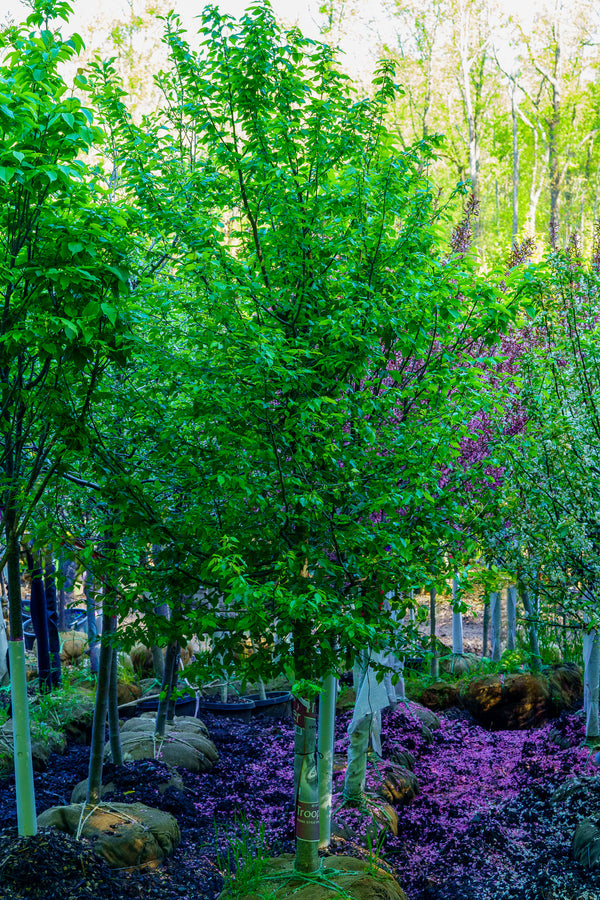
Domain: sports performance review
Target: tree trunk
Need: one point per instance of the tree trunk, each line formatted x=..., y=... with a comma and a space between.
x=92, y=628
x=591, y=679
x=553, y=148
x=532, y=628
x=52, y=618
x=307, y=814
x=39, y=620
x=486, y=626
x=158, y=657
x=511, y=617
x=100, y=713
x=116, y=751
x=457, y=623
x=515, y=160
x=173, y=686
x=496, y=617
x=109, y=624
x=471, y=103
x=171, y=657
x=26, y=817
x=435, y=662
x=325, y=756
x=68, y=571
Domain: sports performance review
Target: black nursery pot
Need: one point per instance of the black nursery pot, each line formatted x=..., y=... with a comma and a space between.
x=278, y=704
x=241, y=709
x=28, y=634
x=75, y=618
x=185, y=706
x=416, y=664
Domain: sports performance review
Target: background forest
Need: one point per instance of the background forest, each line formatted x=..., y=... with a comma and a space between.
x=513, y=90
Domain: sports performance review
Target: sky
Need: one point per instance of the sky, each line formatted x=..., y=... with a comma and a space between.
x=367, y=23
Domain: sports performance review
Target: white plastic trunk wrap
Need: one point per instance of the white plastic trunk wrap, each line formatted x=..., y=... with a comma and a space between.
x=307, y=794
x=371, y=697
x=3, y=651
x=511, y=617
x=326, y=737
x=591, y=679
x=496, y=623
x=457, y=623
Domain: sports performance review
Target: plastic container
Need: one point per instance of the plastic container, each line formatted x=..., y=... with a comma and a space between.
x=185, y=706
x=415, y=664
x=76, y=620
x=278, y=704
x=28, y=634
x=241, y=709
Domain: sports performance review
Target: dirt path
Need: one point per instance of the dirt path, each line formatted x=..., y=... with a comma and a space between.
x=472, y=620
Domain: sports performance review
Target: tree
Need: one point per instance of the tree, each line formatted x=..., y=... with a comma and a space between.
x=61, y=277
x=550, y=487
x=323, y=339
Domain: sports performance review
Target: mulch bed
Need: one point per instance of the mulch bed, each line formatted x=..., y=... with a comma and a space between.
x=481, y=828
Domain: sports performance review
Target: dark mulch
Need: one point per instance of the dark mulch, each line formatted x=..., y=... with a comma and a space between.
x=483, y=826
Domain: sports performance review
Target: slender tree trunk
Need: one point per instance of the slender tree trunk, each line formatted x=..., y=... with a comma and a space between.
x=496, y=617
x=457, y=623
x=511, y=617
x=39, y=620
x=262, y=693
x=591, y=679
x=307, y=792
x=553, y=148
x=471, y=100
x=67, y=569
x=435, y=661
x=173, y=686
x=532, y=627
x=26, y=817
x=515, y=160
x=325, y=755
x=116, y=751
x=158, y=657
x=307, y=814
x=158, y=662
x=52, y=617
x=92, y=629
x=100, y=713
x=486, y=625
x=536, y=184
x=171, y=657
x=109, y=625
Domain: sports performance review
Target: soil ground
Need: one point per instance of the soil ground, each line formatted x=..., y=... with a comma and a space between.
x=472, y=620
x=481, y=828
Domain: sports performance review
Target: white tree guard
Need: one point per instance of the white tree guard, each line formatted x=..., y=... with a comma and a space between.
x=457, y=623
x=372, y=696
x=591, y=681
x=496, y=624
x=3, y=651
x=325, y=746
x=511, y=617
x=356, y=771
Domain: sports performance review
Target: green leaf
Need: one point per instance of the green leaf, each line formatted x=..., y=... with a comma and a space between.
x=110, y=312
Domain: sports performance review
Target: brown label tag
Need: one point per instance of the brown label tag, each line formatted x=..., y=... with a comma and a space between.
x=307, y=821
x=303, y=709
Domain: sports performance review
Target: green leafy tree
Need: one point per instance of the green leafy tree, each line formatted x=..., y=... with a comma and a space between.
x=321, y=370
x=61, y=278
x=551, y=489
